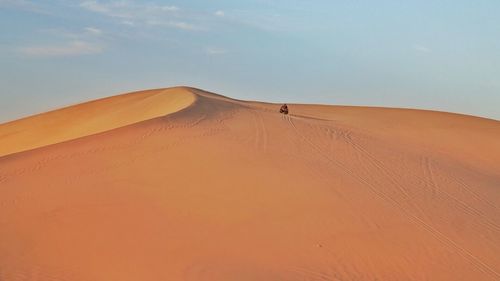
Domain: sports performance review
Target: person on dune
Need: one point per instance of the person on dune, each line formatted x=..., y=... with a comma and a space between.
x=284, y=109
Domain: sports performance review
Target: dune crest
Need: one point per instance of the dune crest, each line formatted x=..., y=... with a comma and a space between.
x=90, y=118
x=225, y=190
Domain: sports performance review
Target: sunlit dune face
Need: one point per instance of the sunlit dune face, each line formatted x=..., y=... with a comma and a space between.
x=90, y=118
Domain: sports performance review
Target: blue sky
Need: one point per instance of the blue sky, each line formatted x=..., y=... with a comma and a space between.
x=442, y=55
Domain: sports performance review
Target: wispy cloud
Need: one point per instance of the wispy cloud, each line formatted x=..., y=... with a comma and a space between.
x=184, y=25
x=134, y=13
x=89, y=32
x=24, y=5
x=5, y=3
x=170, y=8
x=213, y=51
x=94, y=6
x=73, y=48
x=93, y=30
x=422, y=49
x=176, y=24
x=67, y=43
x=264, y=21
x=127, y=22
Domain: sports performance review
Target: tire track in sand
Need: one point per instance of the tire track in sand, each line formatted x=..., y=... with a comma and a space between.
x=467, y=208
x=441, y=237
x=261, y=131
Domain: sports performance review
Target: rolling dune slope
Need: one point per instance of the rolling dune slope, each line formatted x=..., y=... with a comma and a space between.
x=90, y=118
x=207, y=188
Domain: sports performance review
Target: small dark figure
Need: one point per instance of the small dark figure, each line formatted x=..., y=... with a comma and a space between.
x=284, y=109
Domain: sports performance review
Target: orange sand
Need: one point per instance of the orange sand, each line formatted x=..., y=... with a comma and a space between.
x=181, y=184
x=90, y=118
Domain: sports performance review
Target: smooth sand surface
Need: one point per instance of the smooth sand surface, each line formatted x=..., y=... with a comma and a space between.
x=201, y=187
x=90, y=118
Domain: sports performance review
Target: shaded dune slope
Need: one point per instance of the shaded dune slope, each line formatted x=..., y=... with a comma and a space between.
x=224, y=190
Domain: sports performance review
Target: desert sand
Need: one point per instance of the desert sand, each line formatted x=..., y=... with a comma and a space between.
x=182, y=184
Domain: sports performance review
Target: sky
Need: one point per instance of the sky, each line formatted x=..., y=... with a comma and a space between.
x=439, y=55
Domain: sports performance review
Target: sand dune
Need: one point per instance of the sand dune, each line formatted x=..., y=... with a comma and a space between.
x=187, y=185
x=90, y=118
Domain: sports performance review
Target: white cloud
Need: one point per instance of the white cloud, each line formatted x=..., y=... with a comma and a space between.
x=89, y=33
x=94, y=6
x=176, y=24
x=215, y=51
x=265, y=21
x=88, y=40
x=15, y=2
x=128, y=22
x=25, y=5
x=73, y=48
x=184, y=25
x=117, y=9
x=170, y=8
x=422, y=49
x=93, y=31
x=136, y=13
x=219, y=13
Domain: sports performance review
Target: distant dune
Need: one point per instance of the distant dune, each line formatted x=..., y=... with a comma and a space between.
x=182, y=184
